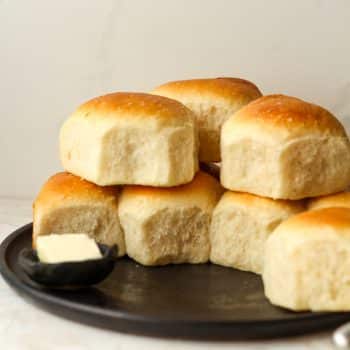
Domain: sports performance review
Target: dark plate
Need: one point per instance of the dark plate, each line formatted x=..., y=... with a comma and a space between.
x=193, y=301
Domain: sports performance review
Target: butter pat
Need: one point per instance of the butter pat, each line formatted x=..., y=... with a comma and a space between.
x=57, y=248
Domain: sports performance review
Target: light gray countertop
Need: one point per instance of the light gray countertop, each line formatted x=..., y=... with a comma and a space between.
x=24, y=326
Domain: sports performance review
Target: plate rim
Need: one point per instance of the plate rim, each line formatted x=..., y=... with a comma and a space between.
x=40, y=296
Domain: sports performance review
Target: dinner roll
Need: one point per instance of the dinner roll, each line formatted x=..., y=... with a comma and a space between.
x=69, y=204
x=240, y=225
x=307, y=261
x=341, y=199
x=131, y=138
x=213, y=101
x=282, y=147
x=169, y=225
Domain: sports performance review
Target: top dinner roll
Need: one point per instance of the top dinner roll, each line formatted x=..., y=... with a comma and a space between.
x=282, y=147
x=131, y=138
x=213, y=101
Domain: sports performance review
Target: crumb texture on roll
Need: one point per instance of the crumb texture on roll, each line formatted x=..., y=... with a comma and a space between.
x=169, y=225
x=213, y=101
x=284, y=148
x=131, y=138
x=69, y=204
x=307, y=261
x=340, y=199
x=240, y=226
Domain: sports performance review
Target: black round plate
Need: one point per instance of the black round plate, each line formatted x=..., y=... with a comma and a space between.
x=195, y=301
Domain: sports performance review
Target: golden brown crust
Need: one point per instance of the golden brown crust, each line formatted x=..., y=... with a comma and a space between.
x=133, y=104
x=341, y=199
x=334, y=217
x=231, y=89
x=288, y=113
x=202, y=182
x=252, y=200
x=63, y=186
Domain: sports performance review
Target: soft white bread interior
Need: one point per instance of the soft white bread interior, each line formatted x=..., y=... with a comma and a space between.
x=307, y=261
x=131, y=138
x=169, y=225
x=341, y=199
x=241, y=223
x=69, y=204
x=213, y=101
x=282, y=147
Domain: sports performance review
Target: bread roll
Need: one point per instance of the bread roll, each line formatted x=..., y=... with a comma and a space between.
x=282, y=147
x=341, y=199
x=131, y=138
x=169, y=225
x=307, y=261
x=240, y=225
x=68, y=204
x=213, y=101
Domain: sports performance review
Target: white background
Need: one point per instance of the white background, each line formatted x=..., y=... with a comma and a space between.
x=56, y=54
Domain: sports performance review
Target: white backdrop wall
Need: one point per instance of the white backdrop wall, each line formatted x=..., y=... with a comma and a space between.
x=56, y=54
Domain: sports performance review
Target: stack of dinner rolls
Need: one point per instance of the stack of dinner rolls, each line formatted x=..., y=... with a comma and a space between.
x=132, y=178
